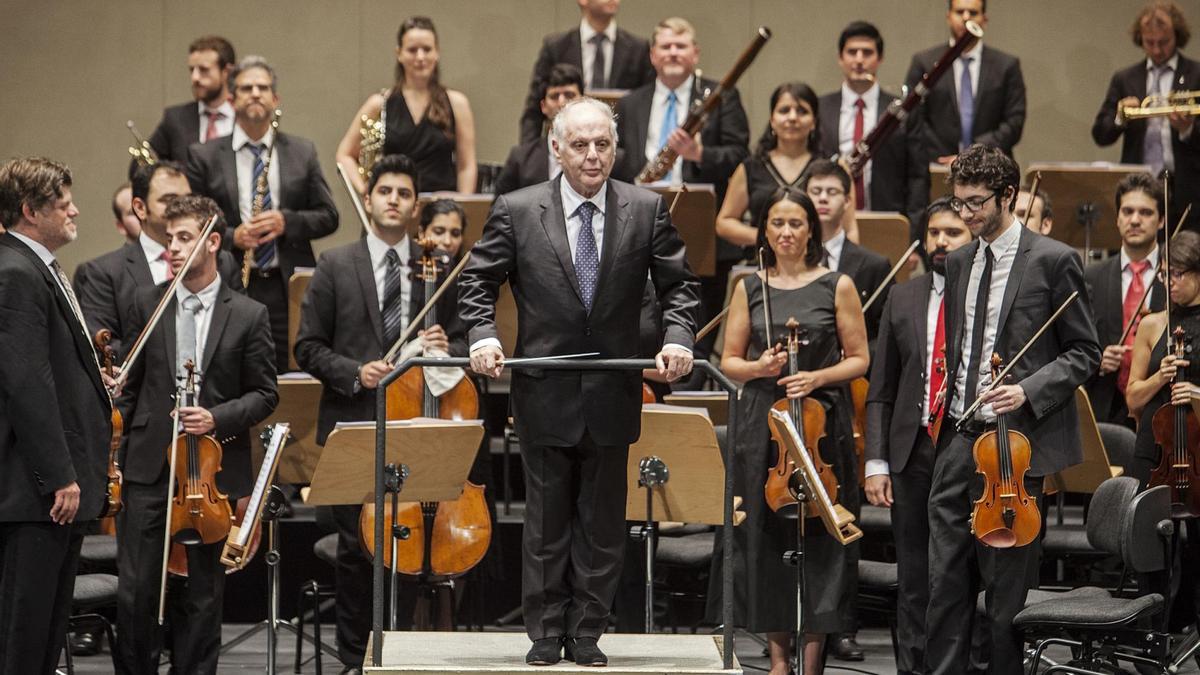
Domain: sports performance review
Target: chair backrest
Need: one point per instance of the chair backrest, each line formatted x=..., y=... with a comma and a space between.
x=1118, y=441
x=1106, y=516
x=1143, y=546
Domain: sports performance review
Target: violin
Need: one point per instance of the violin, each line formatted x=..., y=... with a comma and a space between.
x=938, y=404
x=112, y=501
x=858, y=397
x=1005, y=515
x=446, y=539
x=1177, y=435
x=808, y=416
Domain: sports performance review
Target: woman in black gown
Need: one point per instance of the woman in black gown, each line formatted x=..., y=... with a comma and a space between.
x=433, y=125
x=826, y=305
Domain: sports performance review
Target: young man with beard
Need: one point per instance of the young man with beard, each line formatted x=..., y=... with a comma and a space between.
x=910, y=358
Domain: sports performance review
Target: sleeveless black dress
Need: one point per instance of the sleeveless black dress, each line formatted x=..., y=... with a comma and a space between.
x=1146, y=452
x=762, y=178
x=425, y=144
x=764, y=586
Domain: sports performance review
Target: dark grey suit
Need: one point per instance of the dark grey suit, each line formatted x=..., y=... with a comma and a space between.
x=999, y=103
x=175, y=133
x=1043, y=274
x=576, y=424
x=54, y=430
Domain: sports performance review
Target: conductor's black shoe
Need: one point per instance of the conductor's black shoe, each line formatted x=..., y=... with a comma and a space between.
x=545, y=652
x=85, y=644
x=584, y=652
x=845, y=648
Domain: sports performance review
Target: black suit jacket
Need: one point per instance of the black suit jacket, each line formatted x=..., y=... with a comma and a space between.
x=1043, y=274
x=899, y=374
x=307, y=205
x=341, y=328
x=1104, y=290
x=899, y=169
x=868, y=270
x=175, y=133
x=54, y=410
x=1131, y=81
x=999, y=103
x=238, y=387
x=105, y=285
x=525, y=243
x=630, y=69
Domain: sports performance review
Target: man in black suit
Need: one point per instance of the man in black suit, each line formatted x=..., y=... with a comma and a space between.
x=360, y=299
x=980, y=100
x=226, y=336
x=1160, y=30
x=106, y=284
x=1117, y=285
x=297, y=206
x=531, y=162
x=897, y=177
x=608, y=58
x=54, y=417
x=999, y=291
x=577, y=251
x=910, y=358
x=209, y=114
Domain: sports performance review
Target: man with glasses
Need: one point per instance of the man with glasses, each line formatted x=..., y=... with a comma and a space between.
x=1000, y=290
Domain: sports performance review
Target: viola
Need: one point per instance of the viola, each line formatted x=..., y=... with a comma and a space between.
x=1177, y=435
x=200, y=512
x=1005, y=515
x=112, y=500
x=808, y=416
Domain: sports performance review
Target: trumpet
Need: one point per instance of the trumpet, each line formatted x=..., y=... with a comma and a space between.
x=1162, y=105
x=141, y=151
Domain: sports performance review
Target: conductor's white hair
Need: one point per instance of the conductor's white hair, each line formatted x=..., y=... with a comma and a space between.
x=558, y=128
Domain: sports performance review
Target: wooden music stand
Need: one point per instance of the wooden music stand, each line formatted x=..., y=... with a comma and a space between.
x=886, y=233
x=695, y=217
x=938, y=187
x=1085, y=477
x=736, y=274
x=299, y=398
x=714, y=403
x=297, y=287
x=438, y=454
x=1083, y=196
x=609, y=96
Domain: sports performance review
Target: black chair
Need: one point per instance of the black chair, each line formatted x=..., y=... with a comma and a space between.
x=93, y=593
x=1118, y=442
x=1103, y=630
x=312, y=594
x=878, y=590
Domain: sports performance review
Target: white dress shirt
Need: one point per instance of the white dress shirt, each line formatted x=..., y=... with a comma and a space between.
x=224, y=122
x=554, y=168
x=658, y=110
x=975, y=53
x=1004, y=251
x=245, y=172
x=846, y=128
x=203, y=318
x=377, y=249
x=153, y=252
x=1147, y=274
x=833, y=250
x=588, y=50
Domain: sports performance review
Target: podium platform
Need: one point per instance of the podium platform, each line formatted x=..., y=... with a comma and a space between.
x=434, y=653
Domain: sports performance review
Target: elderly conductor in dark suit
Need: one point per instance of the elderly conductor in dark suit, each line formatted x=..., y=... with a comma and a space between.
x=577, y=251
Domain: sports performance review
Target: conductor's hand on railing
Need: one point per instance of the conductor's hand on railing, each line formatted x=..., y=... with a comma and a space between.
x=673, y=362
x=488, y=360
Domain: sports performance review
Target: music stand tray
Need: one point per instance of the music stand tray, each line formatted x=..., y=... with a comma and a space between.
x=1082, y=193
x=299, y=398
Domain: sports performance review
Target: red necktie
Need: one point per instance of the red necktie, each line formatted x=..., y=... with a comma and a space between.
x=860, y=192
x=1133, y=297
x=166, y=257
x=937, y=375
x=211, y=132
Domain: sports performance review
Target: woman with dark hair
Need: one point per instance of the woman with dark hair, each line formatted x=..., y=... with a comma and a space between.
x=422, y=119
x=784, y=150
x=444, y=221
x=826, y=305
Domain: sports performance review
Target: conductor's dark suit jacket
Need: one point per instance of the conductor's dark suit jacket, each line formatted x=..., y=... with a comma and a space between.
x=525, y=243
x=305, y=201
x=1108, y=306
x=898, y=374
x=899, y=169
x=1044, y=273
x=106, y=284
x=999, y=103
x=238, y=387
x=54, y=410
x=175, y=133
x=630, y=69
x=341, y=328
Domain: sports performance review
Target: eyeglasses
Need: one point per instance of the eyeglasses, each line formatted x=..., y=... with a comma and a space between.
x=972, y=205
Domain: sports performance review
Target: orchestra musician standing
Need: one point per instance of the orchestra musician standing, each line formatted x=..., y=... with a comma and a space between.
x=226, y=335
x=1000, y=290
x=576, y=252
x=531, y=162
x=54, y=417
x=124, y=219
x=908, y=368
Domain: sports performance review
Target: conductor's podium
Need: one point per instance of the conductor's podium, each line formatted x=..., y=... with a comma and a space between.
x=413, y=653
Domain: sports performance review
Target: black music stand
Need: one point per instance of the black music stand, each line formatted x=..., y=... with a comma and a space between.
x=1083, y=194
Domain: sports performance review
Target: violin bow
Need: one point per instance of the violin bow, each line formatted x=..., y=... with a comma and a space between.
x=1146, y=294
x=891, y=275
x=1166, y=259
x=766, y=290
x=415, y=322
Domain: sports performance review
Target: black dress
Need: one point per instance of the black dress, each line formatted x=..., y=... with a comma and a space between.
x=426, y=145
x=764, y=586
x=762, y=178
